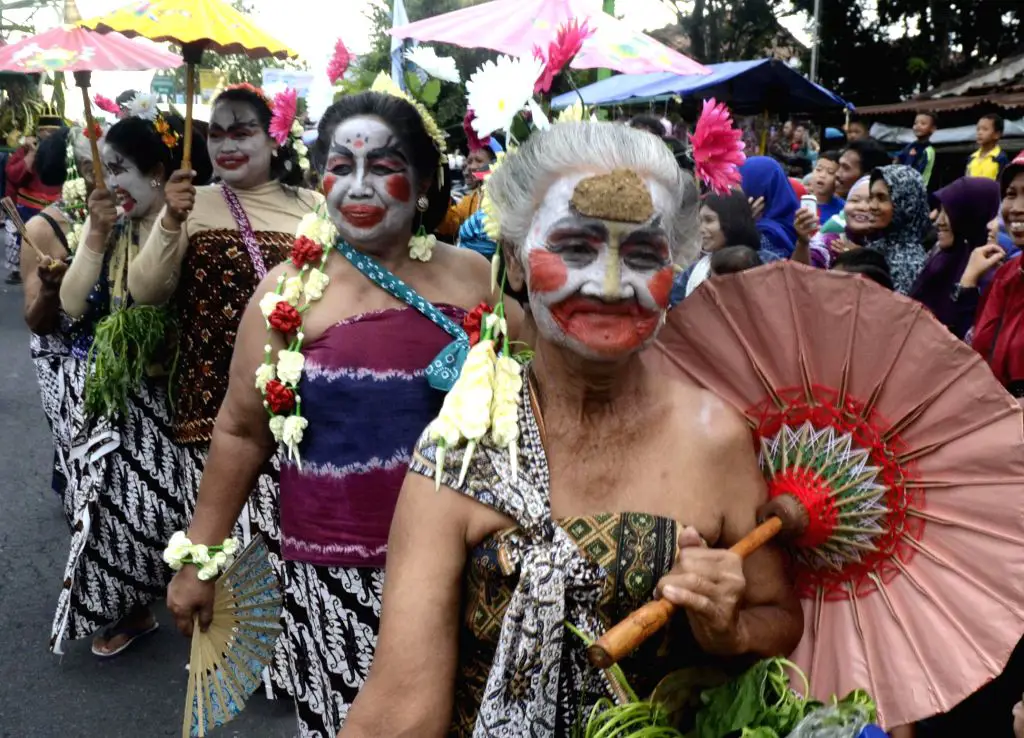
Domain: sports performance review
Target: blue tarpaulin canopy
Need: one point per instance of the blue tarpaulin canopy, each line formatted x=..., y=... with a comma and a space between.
x=748, y=87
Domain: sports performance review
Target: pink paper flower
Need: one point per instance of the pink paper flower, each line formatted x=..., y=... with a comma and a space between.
x=339, y=62
x=473, y=141
x=107, y=105
x=567, y=44
x=285, y=107
x=717, y=148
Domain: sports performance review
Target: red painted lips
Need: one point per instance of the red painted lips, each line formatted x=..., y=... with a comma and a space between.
x=363, y=216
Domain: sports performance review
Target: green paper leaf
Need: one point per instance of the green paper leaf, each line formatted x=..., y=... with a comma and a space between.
x=429, y=93
x=412, y=81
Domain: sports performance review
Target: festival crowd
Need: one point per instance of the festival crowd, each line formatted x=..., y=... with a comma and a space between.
x=224, y=351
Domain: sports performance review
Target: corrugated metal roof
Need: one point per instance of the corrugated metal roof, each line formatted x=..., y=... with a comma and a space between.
x=1003, y=100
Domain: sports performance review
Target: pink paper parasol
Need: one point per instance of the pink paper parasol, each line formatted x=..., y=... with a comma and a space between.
x=911, y=576
x=516, y=26
x=79, y=50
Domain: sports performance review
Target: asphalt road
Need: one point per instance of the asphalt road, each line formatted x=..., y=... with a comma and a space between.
x=139, y=694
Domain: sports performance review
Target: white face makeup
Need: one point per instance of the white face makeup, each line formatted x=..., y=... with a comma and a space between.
x=134, y=191
x=239, y=147
x=600, y=288
x=369, y=183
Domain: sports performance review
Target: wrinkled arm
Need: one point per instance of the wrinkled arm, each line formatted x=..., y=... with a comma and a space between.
x=153, y=274
x=242, y=442
x=771, y=620
x=409, y=693
x=42, y=298
x=82, y=275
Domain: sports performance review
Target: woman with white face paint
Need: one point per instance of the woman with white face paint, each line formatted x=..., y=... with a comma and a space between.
x=126, y=476
x=616, y=465
x=211, y=247
x=369, y=343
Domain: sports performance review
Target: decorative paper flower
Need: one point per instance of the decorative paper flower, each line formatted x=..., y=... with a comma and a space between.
x=277, y=427
x=249, y=88
x=264, y=374
x=499, y=90
x=567, y=44
x=294, y=427
x=473, y=322
x=717, y=148
x=508, y=383
x=540, y=119
x=318, y=229
x=293, y=290
x=230, y=546
x=492, y=223
x=572, y=114
x=306, y=251
x=473, y=142
x=200, y=553
x=289, y=366
x=442, y=67
x=422, y=247
x=285, y=108
x=384, y=84
x=178, y=549
x=74, y=191
x=143, y=106
x=209, y=570
x=93, y=132
x=107, y=105
x=268, y=302
x=316, y=283
x=280, y=400
x=338, y=64
x=285, y=319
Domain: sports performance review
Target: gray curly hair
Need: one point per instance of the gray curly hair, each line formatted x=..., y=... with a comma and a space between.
x=517, y=187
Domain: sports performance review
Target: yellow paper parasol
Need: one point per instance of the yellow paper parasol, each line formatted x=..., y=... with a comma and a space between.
x=195, y=25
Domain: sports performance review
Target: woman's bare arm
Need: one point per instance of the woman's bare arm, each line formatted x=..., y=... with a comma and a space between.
x=242, y=442
x=42, y=284
x=409, y=692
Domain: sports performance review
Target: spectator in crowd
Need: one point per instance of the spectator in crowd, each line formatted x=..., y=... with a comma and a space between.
x=920, y=154
x=858, y=160
x=989, y=160
x=732, y=259
x=823, y=186
x=900, y=223
x=763, y=179
x=856, y=130
x=869, y=264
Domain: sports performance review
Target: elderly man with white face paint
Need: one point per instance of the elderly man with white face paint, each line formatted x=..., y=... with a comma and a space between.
x=392, y=301
x=617, y=466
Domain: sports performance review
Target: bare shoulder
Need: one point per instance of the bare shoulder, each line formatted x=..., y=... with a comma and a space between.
x=466, y=270
x=712, y=423
x=41, y=233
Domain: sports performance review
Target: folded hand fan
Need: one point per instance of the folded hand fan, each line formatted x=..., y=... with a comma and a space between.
x=228, y=659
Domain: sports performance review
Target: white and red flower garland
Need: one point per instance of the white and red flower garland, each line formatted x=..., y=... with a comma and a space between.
x=282, y=310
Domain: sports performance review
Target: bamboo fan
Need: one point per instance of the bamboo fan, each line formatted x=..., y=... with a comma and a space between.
x=12, y=212
x=228, y=659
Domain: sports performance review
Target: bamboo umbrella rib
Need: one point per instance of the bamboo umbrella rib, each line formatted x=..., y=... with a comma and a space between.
x=926, y=551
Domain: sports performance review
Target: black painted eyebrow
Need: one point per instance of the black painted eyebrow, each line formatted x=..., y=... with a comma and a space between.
x=589, y=226
x=387, y=151
x=237, y=125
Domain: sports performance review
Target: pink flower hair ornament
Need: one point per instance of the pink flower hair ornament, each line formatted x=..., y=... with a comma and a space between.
x=473, y=141
x=107, y=105
x=717, y=148
x=567, y=44
x=284, y=108
x=338, y=64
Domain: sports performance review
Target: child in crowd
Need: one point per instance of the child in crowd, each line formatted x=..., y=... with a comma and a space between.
x=856, y=130
x=920, y=154
x=867, y=263
x=823, y=186
x=734, y=259
x=988, y=161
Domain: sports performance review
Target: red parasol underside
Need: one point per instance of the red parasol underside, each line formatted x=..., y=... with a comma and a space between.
x=74, y=49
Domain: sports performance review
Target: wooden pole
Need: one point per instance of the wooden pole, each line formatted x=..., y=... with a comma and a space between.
x=190, y=92
x=83, y=79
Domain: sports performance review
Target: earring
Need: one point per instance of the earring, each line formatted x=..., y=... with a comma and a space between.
x=154, y=183
x=422, y=203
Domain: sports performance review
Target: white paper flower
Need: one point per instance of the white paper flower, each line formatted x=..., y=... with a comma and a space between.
x=143, y=106
x=442, y=67
x=572, y=114
x=264, y=373
x=231, y=546
x=277, y=427
x=297, y=129
x=540, y=118
x=292, y=291
x=268, y=302
x=74, y=191
x=468, y=405
x=208, y=571
x=294, y=426
x=318, y=229
x=178, y=548
x=289, y=366
x=508, y=384
x=200, y=554
x=421, y=248
x=301, y=149
x=497, y=91
x=316, y=283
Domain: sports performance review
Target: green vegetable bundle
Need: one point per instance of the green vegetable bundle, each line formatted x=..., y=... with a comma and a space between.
x=126, y=343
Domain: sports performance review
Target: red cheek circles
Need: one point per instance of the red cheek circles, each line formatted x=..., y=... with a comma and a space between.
x=398, y=187
x=329, y=180
x=547, y=271
x=660, y=286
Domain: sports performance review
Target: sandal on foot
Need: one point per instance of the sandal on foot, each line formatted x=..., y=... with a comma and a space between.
x=113, y=631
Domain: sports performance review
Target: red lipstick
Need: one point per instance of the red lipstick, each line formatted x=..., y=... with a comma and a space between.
x=363, y=216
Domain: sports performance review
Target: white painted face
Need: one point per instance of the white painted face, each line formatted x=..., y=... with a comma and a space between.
x=239, y=147
x=369, y=183
x=600, y=288
x=135, y=192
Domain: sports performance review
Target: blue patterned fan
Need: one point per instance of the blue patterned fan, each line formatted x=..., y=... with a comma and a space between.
x=228, y=659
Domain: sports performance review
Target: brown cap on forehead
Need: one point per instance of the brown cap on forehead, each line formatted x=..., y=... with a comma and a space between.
x=620, y=195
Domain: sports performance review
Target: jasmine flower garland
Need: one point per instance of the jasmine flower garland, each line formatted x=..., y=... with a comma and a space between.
x=211, y=560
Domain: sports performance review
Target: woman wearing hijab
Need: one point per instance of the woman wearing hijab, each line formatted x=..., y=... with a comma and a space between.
x=965, y=208
x=825, y=248
x=899, y=208
x=763, y=177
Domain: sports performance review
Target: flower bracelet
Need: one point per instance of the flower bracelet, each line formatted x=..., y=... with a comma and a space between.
x=211, y=560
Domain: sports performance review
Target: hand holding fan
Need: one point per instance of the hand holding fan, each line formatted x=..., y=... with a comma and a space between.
x=227, y=660
x=895, y=462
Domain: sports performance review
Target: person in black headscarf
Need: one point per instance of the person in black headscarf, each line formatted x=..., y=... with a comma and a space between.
x=899, y=206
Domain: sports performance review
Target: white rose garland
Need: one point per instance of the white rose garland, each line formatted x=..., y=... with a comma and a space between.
x=210, y=560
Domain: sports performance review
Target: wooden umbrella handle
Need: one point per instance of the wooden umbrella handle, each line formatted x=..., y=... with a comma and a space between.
x=83, y=80
x=190, y=93
x=623, y=638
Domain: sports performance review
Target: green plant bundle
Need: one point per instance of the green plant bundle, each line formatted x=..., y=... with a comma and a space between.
x=126, y=343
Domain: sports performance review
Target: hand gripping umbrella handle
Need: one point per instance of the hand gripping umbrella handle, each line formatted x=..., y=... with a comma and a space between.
x=623, y=638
